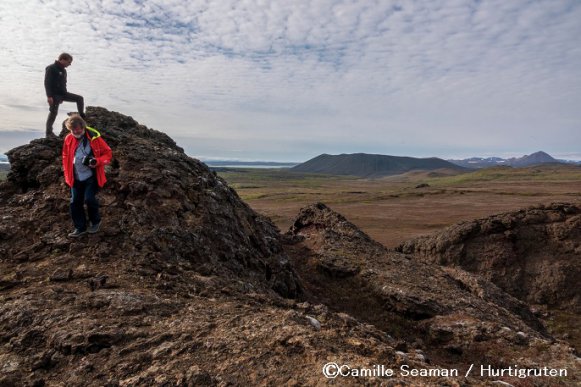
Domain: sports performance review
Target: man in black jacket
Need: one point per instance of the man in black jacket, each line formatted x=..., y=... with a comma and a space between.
x=55, y=84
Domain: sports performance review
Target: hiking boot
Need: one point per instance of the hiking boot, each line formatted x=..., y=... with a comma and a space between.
x=93, y=228
x=77, y=233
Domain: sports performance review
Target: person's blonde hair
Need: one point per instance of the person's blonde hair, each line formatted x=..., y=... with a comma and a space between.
x=75, y=121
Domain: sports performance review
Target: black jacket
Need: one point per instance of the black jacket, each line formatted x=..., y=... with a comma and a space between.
x=55, y=80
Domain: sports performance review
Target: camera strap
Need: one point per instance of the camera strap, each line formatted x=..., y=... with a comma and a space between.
x=83, y=146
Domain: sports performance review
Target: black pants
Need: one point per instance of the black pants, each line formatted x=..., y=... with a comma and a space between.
x=54, y=108
x=81, y=193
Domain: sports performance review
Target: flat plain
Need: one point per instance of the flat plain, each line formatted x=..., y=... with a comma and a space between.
x=393, y=209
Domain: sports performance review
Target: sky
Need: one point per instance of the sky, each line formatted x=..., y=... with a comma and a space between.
x=288, y=80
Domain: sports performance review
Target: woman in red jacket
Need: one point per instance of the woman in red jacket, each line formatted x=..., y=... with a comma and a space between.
x=85, y=155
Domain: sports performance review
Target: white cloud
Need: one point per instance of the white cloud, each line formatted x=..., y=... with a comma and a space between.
x=421, y=78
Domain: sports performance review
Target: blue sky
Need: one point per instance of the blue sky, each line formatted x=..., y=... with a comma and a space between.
x=288, y=80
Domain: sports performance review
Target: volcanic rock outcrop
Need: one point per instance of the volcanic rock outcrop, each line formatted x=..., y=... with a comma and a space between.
x=452, y=312
x=162, y=209
x=186, y=285
x=183, y=285
x=533, y=254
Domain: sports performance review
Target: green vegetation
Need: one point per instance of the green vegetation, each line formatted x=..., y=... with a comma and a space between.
x=281, y=184
x=3, y=175
x=265, y=178
x=285, y=186
x=506, y=174
x=260, y=177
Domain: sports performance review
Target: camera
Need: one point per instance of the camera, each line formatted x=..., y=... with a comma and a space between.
x=89, y=161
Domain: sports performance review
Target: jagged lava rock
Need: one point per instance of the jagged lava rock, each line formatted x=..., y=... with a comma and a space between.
x=159, y=206
x=183, y=285
x=452, y=315
x=186, y=285
x=534, y=254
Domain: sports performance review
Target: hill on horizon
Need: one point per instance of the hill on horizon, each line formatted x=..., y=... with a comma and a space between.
x=535, y=158
x=539, y=157
x=371, y=165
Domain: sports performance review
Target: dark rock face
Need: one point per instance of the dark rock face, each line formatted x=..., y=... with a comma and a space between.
x=532, y=254
x=33, y=166
x=446, y=311
x=160, y=207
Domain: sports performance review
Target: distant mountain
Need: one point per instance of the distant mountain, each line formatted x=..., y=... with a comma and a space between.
x=3, y=158
x=525, y=161
x=369, y=165
x=480, y=162
x=533, y=159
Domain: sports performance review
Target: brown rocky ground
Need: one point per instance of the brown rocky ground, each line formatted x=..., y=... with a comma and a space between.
x=461, y=318
x=533, y=254
x=186, y=285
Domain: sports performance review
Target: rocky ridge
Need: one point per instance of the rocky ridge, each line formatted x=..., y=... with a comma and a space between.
x=162, y=208
x=533, y=254
x=456, y=314
x=186, y=285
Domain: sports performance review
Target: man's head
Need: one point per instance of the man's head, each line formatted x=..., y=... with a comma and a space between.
x=65, y=59
x=76, y=125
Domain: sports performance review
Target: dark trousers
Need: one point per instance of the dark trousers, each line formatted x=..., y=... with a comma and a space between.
x=84, y=192
x=54, y=108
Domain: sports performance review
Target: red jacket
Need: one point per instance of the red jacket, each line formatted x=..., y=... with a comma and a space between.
x=101, y=152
